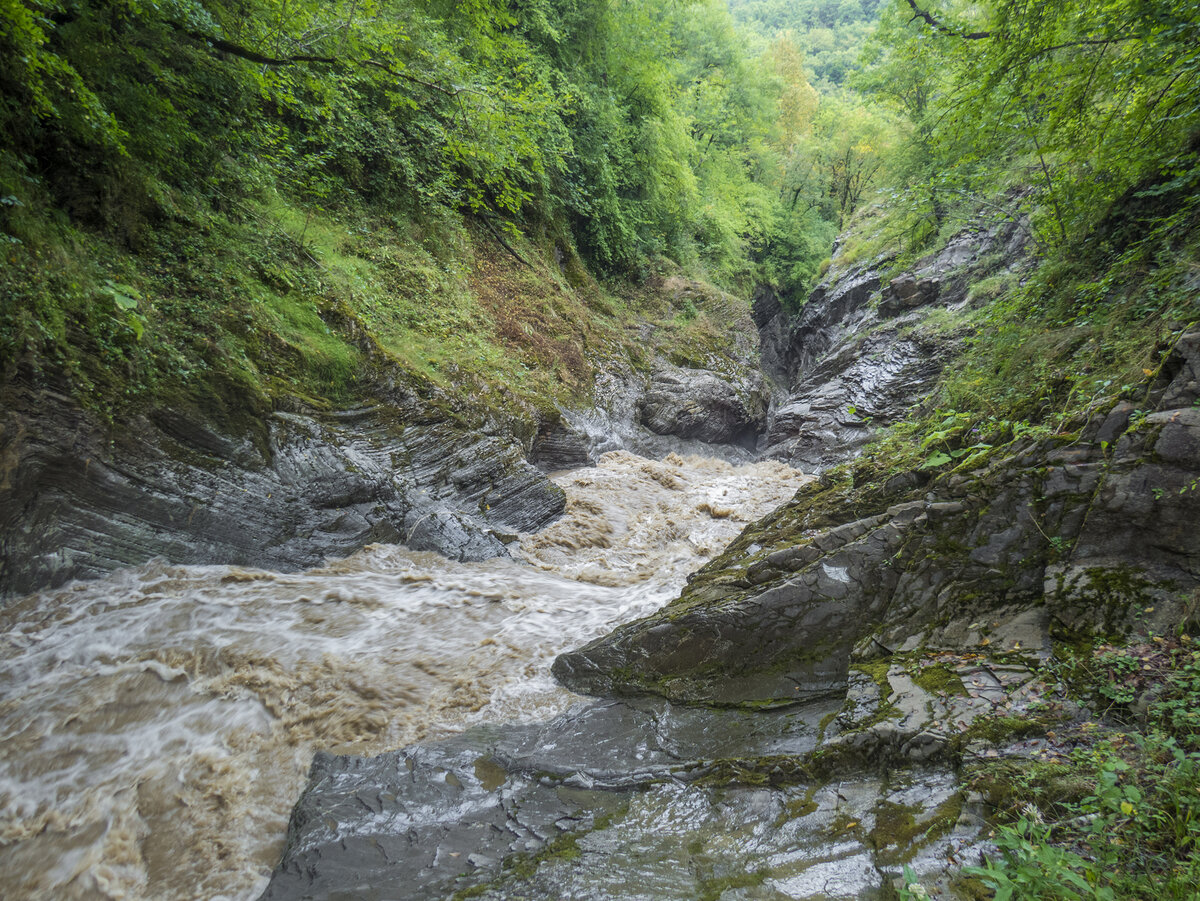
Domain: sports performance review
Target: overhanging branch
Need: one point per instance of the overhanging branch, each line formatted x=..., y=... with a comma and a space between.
x=262, y=59
x=938, y=25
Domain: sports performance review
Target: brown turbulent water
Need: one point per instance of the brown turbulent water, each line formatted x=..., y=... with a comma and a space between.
x=156, y=727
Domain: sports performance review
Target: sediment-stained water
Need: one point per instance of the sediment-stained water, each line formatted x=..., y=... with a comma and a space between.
x=156, y=726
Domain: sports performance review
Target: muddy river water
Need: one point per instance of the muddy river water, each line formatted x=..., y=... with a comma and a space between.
x=156, y=726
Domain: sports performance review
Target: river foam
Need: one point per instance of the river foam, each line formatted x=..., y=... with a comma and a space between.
x=157, y=725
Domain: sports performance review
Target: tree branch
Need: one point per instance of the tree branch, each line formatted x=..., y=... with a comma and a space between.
x=485, y=218
x=937, y=25
x=254, y=56
x=433, y=86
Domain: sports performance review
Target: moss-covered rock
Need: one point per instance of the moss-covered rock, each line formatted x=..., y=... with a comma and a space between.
x=1057, y=534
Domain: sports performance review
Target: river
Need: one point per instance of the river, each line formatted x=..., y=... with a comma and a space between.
x=157, y=726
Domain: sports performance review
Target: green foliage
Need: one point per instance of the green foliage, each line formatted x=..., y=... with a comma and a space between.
x=1032, y=867
x=828, y=148
x=910, y=888
x=1119, y=818
x=972, y=84
x=831, y=32
x=1155, y=683
x=1136, y=835
x=638, y=129
x=341, y=141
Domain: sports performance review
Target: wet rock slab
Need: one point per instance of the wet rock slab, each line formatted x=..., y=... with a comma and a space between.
x=498, y=802
x=631, y=800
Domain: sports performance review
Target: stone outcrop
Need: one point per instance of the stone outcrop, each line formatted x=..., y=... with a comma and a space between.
x=719, y=412
x=699, y=404
x=788, y=639
x=79, y=498
x=854, y=357
x=703, y=394
x=861, y=386
x=1088, y=534
x=570, y=808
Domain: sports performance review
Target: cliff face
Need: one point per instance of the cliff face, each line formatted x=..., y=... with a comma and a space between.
x=858, y=356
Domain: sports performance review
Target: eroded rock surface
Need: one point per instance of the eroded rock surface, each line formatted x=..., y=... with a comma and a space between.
x=79, y=499
x=697, y=403
x=854, y=358
x=1082, y=534
x=695, y=802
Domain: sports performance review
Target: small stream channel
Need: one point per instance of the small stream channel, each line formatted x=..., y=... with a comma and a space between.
x=157, y=726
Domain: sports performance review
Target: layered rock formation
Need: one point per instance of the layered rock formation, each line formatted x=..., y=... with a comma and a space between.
x=79, y=498
x=853, y=360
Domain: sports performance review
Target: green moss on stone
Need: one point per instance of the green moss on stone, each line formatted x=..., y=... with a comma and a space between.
x=998, y=730
x=939, y=679
x=900, y=831
x=714, y=888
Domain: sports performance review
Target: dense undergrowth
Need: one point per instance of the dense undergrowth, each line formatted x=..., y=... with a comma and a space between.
x=1117, y=816
x=254, y=201
x=1099, y=176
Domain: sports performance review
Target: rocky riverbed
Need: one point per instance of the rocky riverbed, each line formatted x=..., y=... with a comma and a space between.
x=792, y=672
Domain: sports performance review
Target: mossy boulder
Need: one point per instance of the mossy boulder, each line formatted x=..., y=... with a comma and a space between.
x=1079, y=534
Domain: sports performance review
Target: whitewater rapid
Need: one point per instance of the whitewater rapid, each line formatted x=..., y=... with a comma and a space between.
x=156, y=726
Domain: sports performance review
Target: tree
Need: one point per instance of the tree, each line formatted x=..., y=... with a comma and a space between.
x=1075, y=102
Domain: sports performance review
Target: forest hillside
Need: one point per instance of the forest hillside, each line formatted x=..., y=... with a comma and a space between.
x=203, y=198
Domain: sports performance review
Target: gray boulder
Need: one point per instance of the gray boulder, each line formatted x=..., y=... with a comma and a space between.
x=699, y=404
